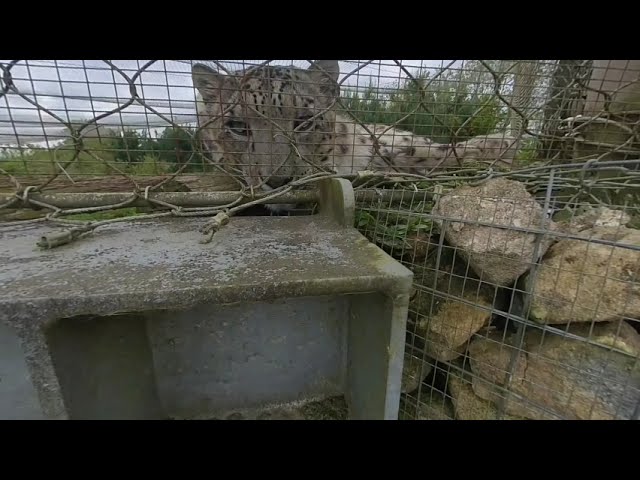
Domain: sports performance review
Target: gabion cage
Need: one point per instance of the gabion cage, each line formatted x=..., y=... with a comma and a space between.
x=509, y=188
x=526, y=297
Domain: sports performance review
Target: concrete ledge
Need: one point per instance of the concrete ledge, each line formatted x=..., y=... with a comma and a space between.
x=18, y=397
x=139, y=320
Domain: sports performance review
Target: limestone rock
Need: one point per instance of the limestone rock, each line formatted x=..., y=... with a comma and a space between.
x=581, y=281
x=497, y=255
x=563, y=378
x=445, y=321
x=469, y=406
x=414, y=371
x=518, y=407
x=447, y=332
x=588, y=217
x=436, y=348
x=432, y=405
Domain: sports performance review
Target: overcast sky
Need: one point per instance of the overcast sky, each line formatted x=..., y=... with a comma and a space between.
x=80, y=89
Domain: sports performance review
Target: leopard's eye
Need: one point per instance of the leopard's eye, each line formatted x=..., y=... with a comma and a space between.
x=238, y=127
x=303, y=122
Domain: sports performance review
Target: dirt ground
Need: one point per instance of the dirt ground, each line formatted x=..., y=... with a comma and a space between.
x=334, y=408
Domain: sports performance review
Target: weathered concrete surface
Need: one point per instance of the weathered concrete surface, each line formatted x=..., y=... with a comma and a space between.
x=158, y=265
x=105, y=369
x=377, y=324
x=232, y=357
x=18, y=397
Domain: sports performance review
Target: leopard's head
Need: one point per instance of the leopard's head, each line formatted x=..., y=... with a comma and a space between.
x=261, y=121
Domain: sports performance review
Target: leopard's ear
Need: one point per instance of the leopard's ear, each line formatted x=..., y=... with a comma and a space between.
x=208, y=82
x=326, y=73
x=331, y=68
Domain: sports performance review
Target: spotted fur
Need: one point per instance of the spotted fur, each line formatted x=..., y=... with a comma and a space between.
x=253, y=118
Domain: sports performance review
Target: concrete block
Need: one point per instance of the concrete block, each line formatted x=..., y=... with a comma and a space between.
x=140, y=321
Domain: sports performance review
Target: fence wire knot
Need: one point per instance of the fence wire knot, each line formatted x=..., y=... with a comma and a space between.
x=213, y=225
x=25, y=195
x=57, y=239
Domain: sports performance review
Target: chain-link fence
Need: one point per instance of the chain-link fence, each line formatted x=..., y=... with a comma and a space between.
x=509, y=188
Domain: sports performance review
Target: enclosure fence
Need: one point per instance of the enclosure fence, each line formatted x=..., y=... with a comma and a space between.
x=511, y=190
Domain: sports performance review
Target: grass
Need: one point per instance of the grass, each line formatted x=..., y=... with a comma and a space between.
x=43, y=161
x=106, y=215
x=390, y=230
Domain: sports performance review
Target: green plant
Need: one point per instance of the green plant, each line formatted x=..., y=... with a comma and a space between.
x=450, y=103
x=393, y=230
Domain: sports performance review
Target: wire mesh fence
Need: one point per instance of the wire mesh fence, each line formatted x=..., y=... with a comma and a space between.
x=509, y=188
x=525, y=297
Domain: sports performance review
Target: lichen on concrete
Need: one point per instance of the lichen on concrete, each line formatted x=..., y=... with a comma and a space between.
x=161, y=261
x=159, y=265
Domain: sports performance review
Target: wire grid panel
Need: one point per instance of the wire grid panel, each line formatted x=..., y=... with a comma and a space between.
x=526, y=297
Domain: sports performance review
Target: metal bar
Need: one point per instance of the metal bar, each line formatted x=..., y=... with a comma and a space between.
x=519, y=336
x=181, y=199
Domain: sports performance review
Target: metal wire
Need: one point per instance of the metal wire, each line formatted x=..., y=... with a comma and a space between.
x=483, y=177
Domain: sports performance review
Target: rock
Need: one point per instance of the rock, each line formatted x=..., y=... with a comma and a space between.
x=445, y=325
x=469, y=406
x=588, y=217
x=447, y=332
x=563, y=378
x=432, y=405
x=582, y=281
x=418, y=245
x=497, y=255
x=414, y=371
x=436, y=348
